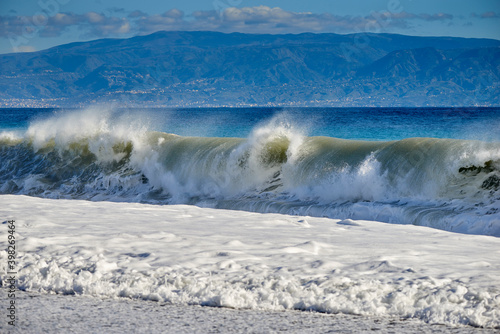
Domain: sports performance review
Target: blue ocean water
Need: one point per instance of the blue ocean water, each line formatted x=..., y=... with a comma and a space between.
x=348, y=123
x=422, y=166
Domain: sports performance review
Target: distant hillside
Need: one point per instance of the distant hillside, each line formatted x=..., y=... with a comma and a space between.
x=215, y=69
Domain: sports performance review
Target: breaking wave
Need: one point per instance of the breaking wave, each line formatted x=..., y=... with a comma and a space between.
x=442, y=183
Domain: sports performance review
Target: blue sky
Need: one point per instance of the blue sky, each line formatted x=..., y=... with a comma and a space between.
x=30, y=25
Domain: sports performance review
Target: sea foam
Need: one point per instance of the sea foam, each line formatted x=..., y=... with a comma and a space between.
x=188, y=255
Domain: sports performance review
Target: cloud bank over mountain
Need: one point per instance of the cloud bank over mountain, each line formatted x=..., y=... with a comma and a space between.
x=117, y=22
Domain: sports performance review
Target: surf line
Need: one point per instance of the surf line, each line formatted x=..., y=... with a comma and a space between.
x=11, y=272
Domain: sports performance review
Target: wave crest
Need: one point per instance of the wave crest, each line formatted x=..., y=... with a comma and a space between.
x=444, y=183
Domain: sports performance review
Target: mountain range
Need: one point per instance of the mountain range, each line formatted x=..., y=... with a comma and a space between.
x=184, y=69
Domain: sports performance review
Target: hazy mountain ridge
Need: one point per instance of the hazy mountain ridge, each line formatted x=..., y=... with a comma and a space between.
x=209, y=68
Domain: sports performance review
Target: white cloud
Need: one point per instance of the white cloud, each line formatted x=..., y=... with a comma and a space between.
x=174, y=13
x=95, y=18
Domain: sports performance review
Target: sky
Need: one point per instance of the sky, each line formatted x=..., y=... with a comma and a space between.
x=32, y=25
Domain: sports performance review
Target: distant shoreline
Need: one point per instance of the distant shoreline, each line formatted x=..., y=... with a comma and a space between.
x=193, y=69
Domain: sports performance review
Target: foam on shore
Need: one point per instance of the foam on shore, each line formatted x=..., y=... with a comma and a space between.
x=190, y=255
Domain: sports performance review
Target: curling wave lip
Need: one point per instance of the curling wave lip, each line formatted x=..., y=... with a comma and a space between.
x=448, y=184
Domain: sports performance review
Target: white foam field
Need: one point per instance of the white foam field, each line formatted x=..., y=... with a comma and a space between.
x=190, y=255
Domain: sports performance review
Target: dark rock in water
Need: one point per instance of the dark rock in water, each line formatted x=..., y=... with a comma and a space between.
x=491, y=183
x=474, y=170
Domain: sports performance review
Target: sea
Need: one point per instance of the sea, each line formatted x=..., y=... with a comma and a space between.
x=382, y=213
x=434, y=167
